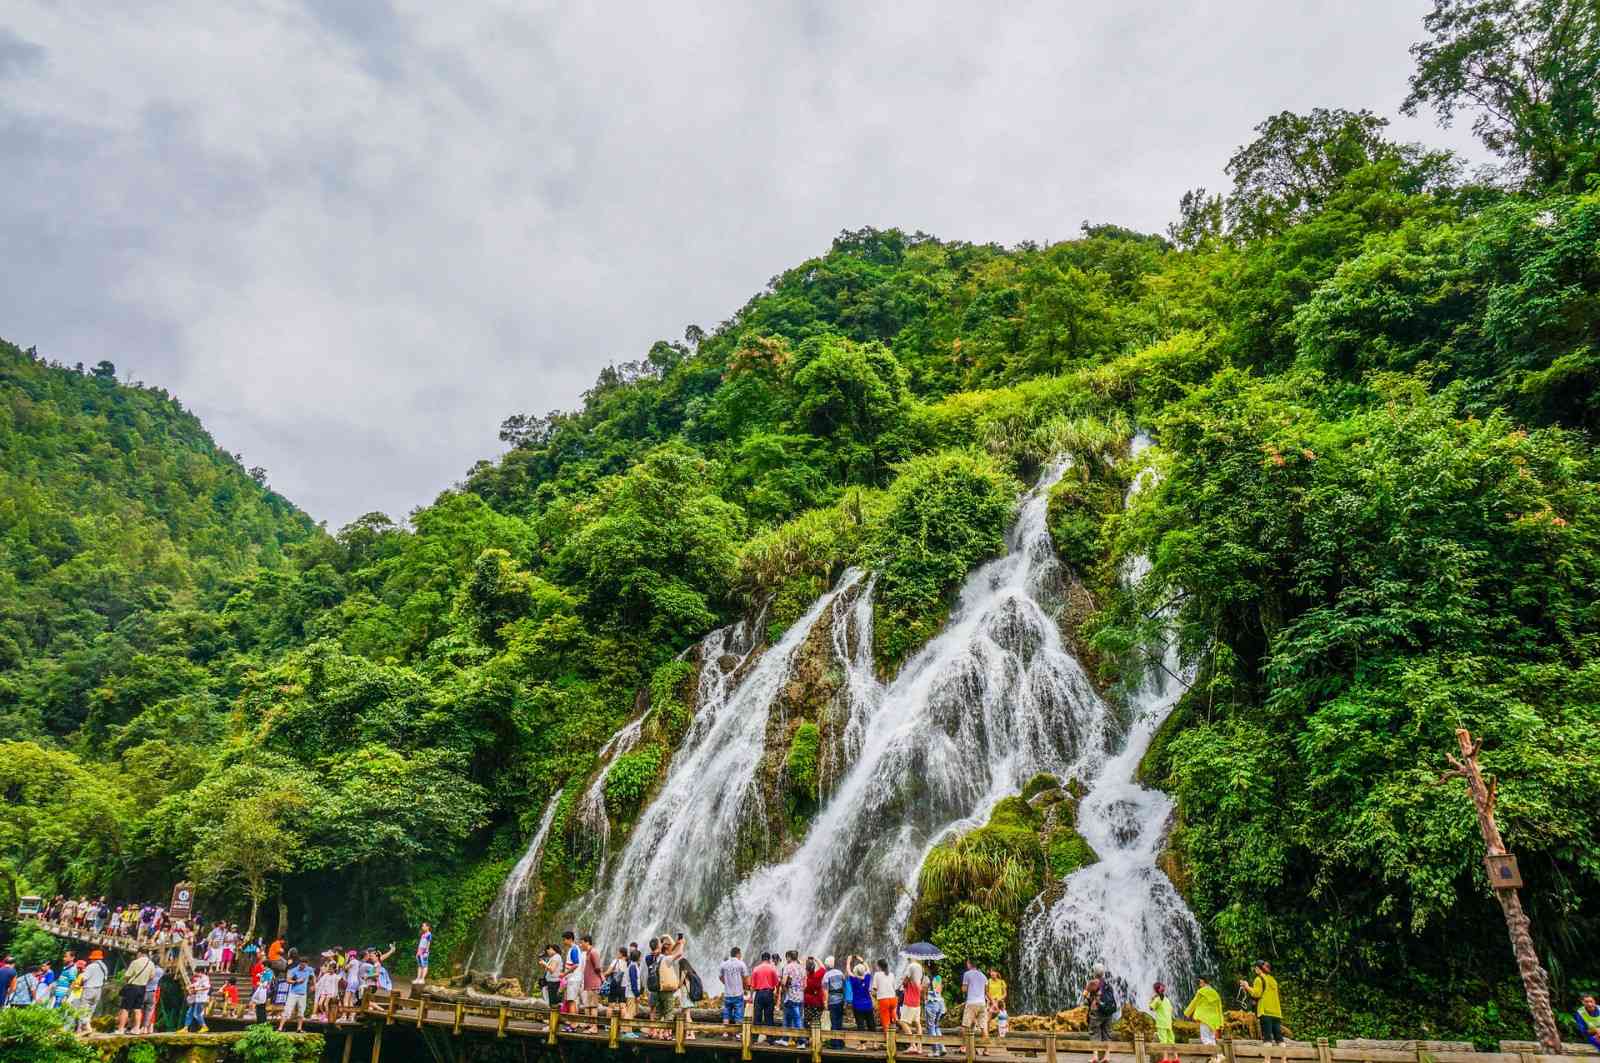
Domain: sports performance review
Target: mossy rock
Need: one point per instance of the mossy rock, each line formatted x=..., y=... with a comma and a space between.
x=1068, y=852
x=1039, y=784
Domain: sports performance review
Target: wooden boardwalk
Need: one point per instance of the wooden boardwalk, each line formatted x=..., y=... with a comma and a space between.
x=746, y=1041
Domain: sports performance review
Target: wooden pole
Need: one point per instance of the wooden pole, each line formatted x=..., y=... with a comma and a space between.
x=377, y=1042
x=349, y=1040
x=615, y=1028
x=744, y=1040
x=680, y=1026
x=1534, y=981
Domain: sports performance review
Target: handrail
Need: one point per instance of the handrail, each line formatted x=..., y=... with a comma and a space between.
x=607, y=1026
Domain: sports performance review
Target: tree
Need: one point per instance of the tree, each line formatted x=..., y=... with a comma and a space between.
x=1529, y=70
x=1298, y=161
x=252, y=842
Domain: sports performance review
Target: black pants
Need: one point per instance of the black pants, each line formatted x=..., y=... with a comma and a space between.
x=864, y=1019
x=261, y=1013
x=765, y=1015
x=1271, y=1029
x=552, y=992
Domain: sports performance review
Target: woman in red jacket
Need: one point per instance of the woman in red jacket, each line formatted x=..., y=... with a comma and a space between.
x=816, y=996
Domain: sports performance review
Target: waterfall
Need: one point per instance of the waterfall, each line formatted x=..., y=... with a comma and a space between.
x=1122, y=911
x=589, y=814
x=989, y=702
x=499, y=927
x=682, y=857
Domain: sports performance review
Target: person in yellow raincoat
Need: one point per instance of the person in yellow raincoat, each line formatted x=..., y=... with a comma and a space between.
x=1161, y=1007
x=1206, y=1010
x=1268, y=1007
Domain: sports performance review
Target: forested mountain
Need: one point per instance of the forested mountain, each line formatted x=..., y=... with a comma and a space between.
x=1371, y=380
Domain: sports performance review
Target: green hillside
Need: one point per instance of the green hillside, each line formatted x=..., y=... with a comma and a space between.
x=1371, y=378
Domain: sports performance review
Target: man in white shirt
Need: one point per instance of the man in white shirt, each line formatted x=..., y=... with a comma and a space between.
x=93, y=980
x=734, y=975
x=975, y=1009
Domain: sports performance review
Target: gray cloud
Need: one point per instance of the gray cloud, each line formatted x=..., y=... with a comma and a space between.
x=354, y=236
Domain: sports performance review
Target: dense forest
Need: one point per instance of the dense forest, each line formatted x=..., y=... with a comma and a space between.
x=1371, y=380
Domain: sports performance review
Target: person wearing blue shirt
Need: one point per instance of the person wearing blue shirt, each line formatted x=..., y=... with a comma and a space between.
x=860, y=992
x=294, y=1005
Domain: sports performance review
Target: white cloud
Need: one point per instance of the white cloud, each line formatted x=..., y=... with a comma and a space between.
x=353, y=237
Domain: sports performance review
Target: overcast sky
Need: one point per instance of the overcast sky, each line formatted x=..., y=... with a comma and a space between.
x=355, y=236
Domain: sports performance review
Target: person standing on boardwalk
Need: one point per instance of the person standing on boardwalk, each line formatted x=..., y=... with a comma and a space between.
x=974, y=1007
x=835, y=985
x=933, y=1013
x=152, y=1000
x=1206, y=1010
x=794, y=992
x=884, y=996
x=199, y=995
x=764, y=987
x=734, y=972
x=294, y=1006
x=911, y=989
x=1269, y=1010
x=424, y=946
x=1161, y=1008
x=1100, y=1001
x=92, y=982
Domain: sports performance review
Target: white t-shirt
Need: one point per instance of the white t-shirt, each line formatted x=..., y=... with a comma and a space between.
x=328, y=984
x=882, y=986
x=976, y=983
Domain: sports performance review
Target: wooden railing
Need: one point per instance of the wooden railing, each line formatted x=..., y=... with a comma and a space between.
x=681, y=1034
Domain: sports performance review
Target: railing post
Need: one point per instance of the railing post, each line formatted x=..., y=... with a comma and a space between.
x=1050, y=1047
x=377, y=1042
x=744, y=1040
x=888, y=1044
x=555, y=1024
x=388, y=1019
x=1325, y=1054
x=616, y=1026
x=422, y=1010
x=460, y=1010
x=680, y=1026
x=1139, y=1055
x=1227, y=1049
x=971, y=1044
x=816, y=1044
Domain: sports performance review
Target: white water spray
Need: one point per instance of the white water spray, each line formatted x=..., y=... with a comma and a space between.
x=1122, y=911
x=499, y=928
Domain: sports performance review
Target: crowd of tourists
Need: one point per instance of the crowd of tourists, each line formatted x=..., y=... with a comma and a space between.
x=216, y=963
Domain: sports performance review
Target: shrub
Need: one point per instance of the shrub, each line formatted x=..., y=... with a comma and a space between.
x=629, y=780
x=34, y=1035
x=977, y=934
x=945, y=513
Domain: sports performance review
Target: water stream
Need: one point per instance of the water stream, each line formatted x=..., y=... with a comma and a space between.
x=499, y=932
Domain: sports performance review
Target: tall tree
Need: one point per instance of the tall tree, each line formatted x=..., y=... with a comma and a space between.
x=1530, y=72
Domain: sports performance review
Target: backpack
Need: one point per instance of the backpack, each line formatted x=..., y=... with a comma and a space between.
x=633, y=977
x=667, y=975
x=1106, y=1002
x=697, y=989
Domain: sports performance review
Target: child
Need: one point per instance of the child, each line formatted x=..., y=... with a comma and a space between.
x=327, y=993
x=230, y=997
x=933, y=1011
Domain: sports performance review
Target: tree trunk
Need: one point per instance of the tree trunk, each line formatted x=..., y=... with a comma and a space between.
x=283, y=916
x=255, y=908
x=1534, y=981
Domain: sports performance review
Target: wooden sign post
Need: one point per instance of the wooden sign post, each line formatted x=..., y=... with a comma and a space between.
x=1505, y=878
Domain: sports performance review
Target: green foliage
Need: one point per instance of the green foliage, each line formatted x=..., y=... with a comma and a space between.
x=667, y=684
x=34, y=1035
x=944, y=514
x=1068, y=852
x=31, y=945
x=141, y=1053
x=801, y=763
x=999, y=866
x=976, y=933
x=1077, y=511
x=629, y=779
x=261, y=1043
x=1528, y=71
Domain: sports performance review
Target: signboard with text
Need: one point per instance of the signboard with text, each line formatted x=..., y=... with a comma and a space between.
x=182, y=906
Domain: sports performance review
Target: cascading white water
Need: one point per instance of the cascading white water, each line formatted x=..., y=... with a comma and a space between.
x=589, y=814
x=682, y=855
x=992, y=700
x=1122, y=911
x=499, y=927
x=995, y=698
